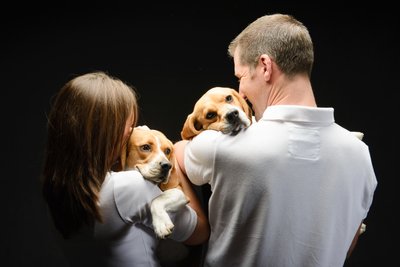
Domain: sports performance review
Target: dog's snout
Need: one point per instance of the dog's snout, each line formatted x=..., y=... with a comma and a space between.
x=232, y=116
x=165, y=167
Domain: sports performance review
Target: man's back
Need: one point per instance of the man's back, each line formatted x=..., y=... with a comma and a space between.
x=290, y=190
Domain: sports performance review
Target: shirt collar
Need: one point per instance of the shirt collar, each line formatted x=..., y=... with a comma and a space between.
x=299, y=114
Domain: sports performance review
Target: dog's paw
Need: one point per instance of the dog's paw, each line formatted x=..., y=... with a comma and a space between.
x=363, y=228
x=359, y=135
x=178, y=200
x=162, y=224
x=170, y=200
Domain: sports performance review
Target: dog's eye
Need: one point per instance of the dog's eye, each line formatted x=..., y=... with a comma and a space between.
x=228, y=98
x=145, y=147
x=211, y=115
x=167, y=151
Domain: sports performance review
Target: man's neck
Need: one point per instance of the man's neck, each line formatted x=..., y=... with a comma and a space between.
x=293, y=91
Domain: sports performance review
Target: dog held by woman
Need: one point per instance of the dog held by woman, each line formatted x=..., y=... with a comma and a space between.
x=151, y=153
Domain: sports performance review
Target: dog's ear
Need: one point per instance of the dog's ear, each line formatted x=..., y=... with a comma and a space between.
x=191, y=127
x=246, y=108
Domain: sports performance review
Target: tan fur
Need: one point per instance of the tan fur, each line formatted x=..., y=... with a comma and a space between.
x=151, y=153
x=213, y=111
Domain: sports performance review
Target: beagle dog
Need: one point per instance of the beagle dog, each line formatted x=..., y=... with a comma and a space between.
x=151, y=153
x=221, y=109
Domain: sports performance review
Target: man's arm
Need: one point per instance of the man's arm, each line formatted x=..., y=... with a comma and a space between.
x=202, y=230
x=179, y=149
x=360, y=230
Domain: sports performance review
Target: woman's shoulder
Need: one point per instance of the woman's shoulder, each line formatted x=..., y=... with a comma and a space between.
x=130, y=192
x=131, y=176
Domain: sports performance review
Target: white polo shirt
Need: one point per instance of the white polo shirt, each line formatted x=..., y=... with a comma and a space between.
x=291, y=190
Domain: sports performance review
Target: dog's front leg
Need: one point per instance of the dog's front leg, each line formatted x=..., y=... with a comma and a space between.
x=170, y=200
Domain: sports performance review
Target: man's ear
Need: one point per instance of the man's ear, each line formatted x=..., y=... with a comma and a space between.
x=266, y=66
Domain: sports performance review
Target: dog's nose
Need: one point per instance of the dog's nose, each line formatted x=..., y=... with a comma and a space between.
x=165, y=167
x=232, y=116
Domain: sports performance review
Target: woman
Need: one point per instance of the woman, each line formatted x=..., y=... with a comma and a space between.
x=104, y=216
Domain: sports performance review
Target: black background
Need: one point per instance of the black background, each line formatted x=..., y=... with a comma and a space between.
x=172, y=54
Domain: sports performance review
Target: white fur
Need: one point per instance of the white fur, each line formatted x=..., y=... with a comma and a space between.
x=243, y=117
x=170, y=200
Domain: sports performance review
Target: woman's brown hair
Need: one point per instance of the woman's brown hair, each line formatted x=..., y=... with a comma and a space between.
x=85, y=129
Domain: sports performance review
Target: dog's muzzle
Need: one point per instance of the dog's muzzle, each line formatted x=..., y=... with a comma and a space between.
x=165, y=168
x=232, y=117
x=235, y=122
x=158, y=173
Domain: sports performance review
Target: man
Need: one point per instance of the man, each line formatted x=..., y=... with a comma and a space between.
x=294, y=188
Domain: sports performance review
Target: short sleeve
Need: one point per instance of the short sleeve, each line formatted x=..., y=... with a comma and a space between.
x=133, y=195
x=185, y=221
x=200, y=156
x=371, y=183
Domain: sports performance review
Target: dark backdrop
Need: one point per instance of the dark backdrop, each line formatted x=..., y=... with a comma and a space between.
x=172, y=54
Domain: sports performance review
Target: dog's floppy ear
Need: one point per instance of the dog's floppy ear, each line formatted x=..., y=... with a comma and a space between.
x=191, y=127
x=246, y=108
